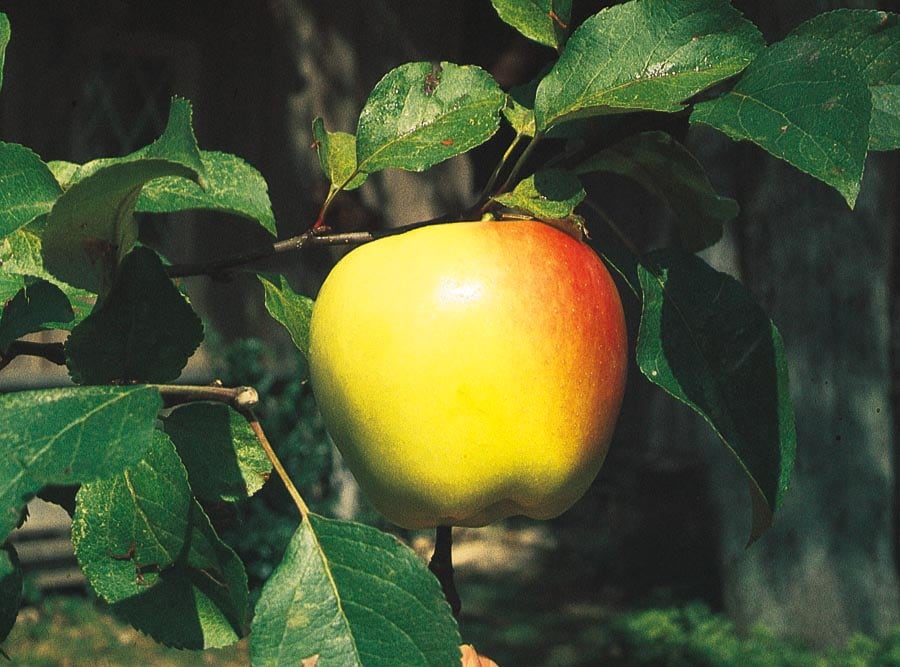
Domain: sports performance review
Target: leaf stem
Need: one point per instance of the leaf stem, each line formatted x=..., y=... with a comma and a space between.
x=441, y=565
x=520, y=163
x=276, y=462
x=486, y=191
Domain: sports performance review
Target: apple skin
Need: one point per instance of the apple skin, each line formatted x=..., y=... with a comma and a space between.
x=470, y=371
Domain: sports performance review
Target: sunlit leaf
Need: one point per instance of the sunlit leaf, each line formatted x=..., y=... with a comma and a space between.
x=68, y=436
x=231, y=186
x=146, y=546
x=337, y=157
x=27, y=187
x=21, y=257
x=344, y=592
x=4, y=40
x=551, y=194
x=648, y=55
x=91, y=226
x=422, y=113
x=544, y=21
x=290, y=309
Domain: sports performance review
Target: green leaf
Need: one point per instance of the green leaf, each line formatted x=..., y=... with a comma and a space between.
x=20, y=256
x=231, y=186
x=69, y=436
x=544, y=21
x=4, y=40
x=705, y=341
x=345, y=592
x=519, y=110
x=11, y=581
x=872, y=40
x=64, y=172
x=804, y=104
x=91, y=227
x=129, y=527
x=28, y=189
x=423, y=113
x=666, y=169
x=177, y=142
x=38, y=306
x=551, y=194
x=143, y=331
x=645, y=55
x=145, y=545
x=290, y=309
x=337, y=157
x=220, y=451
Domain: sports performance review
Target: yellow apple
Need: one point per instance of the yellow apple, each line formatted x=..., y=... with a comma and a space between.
x=470, y=371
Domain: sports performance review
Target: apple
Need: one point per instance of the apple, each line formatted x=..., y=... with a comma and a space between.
x=470, y=371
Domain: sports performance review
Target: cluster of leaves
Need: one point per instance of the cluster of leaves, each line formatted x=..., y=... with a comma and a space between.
x=71, y=261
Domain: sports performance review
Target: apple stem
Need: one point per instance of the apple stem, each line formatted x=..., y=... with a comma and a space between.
x=441, y=566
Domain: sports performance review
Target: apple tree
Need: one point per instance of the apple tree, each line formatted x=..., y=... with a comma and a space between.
x=819, y=99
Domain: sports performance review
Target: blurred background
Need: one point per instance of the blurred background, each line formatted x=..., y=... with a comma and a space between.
x=651, y=567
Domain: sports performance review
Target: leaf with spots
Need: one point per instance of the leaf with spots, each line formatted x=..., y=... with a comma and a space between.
x=805, y=104
x=231, y=186
x=872, y=40
x=345, y=592
x=146, y=546
x=423, y=113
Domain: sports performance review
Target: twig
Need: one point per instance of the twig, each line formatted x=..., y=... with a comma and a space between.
x=308, y=239
x=441, y=565
x=52, y=352
x=239, y=398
